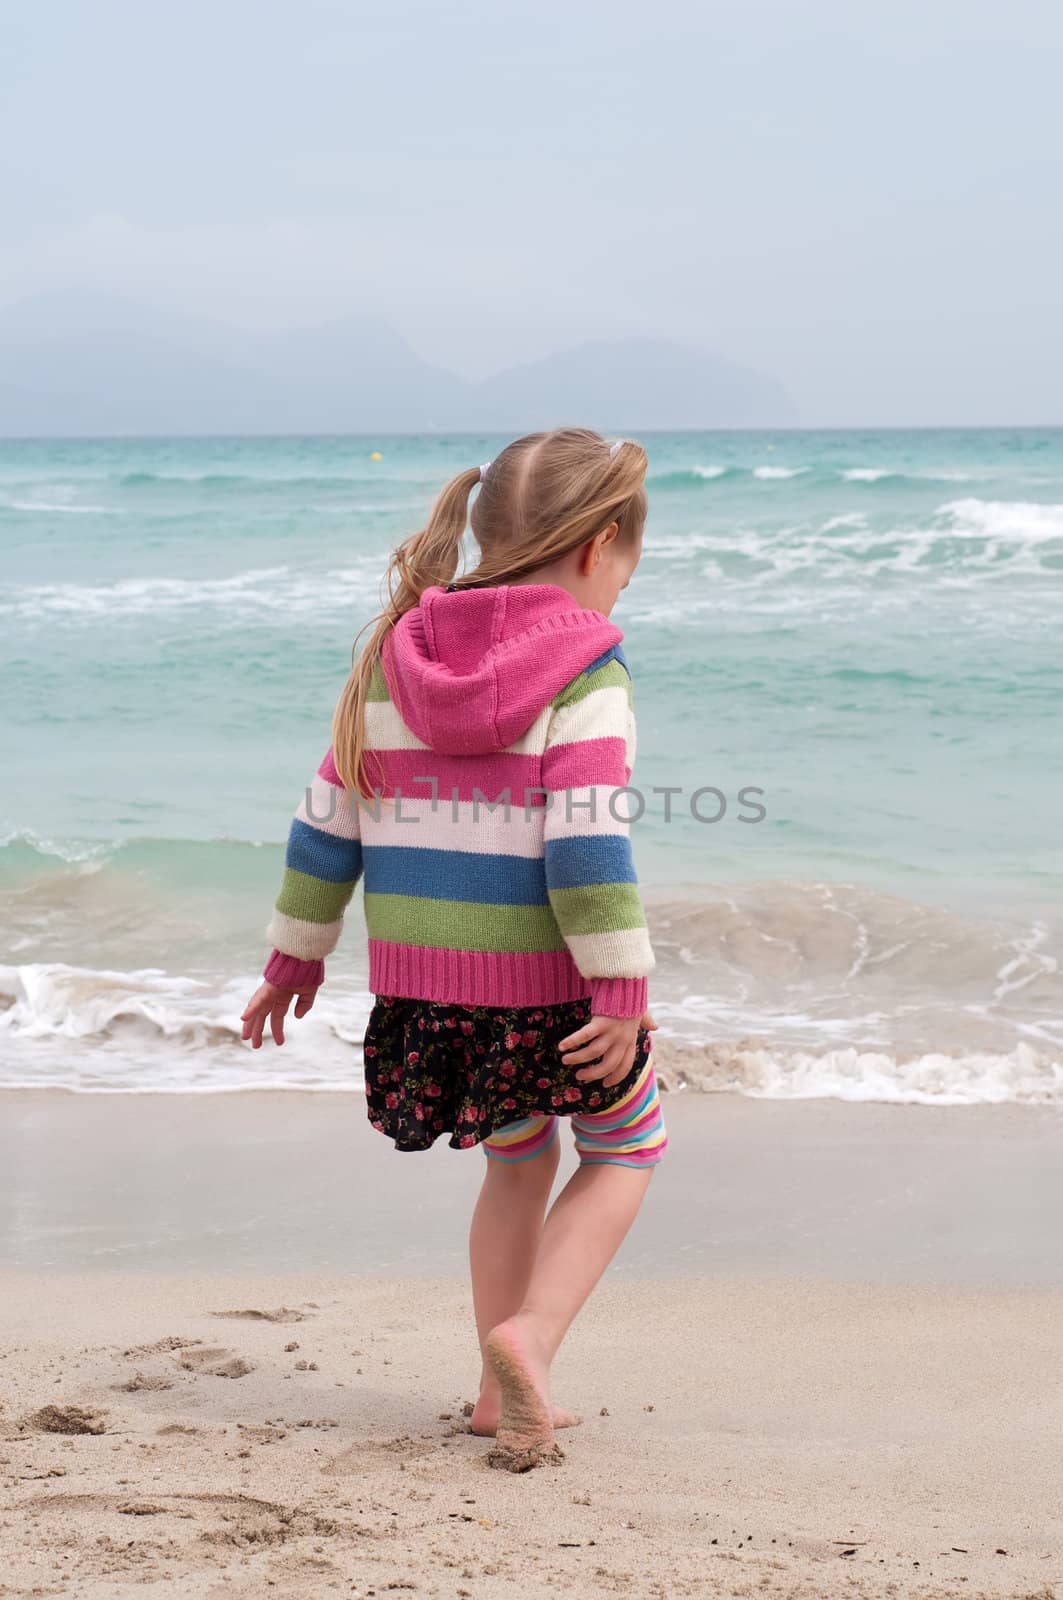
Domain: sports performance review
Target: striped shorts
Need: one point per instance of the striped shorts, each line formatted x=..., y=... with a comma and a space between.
x=631, y=1133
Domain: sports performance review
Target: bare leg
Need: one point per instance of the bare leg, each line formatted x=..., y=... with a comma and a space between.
x=583, y=1232
x=504, y=1237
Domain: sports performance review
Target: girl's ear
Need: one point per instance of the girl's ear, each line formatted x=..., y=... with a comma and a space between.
x=595, y=548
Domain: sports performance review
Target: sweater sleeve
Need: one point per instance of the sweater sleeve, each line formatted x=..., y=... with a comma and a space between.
x=590, y=874
x=322, y=865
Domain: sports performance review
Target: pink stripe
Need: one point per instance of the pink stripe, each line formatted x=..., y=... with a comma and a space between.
x=585, y=761
x=513, y=1150
x=633, y=1101
x=604, y=1124
x=628, y=1133
x=517, y=1146
x=490, y=775
x=327, y=770
x=474, y=977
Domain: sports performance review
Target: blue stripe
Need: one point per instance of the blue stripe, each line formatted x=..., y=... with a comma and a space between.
x=590, y=858
x=618, y=1161
x=322, y=855
x=495, y=880
x=615, y=654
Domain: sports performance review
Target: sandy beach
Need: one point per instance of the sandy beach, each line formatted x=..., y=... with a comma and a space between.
x=238, y=1353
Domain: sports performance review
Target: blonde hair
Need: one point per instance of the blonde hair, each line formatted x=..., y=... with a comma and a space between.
x=542, y=497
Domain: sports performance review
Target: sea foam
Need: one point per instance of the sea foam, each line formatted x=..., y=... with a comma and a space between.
x=1023, y=520
x=778, y=990
x=98, y=1031
x=93, y=1030
x=1023, y=1076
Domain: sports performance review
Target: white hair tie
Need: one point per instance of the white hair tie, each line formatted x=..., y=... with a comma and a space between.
x=613, y=448
x=483, y=470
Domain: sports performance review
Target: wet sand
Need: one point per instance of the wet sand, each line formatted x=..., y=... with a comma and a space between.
x=827, y=1364
x=289, y=1182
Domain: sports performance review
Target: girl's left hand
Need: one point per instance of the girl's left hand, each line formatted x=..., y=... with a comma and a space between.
x=269, y=1000
x=609, y=1042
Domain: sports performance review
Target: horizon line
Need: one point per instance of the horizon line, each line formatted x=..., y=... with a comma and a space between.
x=480, y=433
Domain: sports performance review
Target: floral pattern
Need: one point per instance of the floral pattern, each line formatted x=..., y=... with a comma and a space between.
x=467, y=1071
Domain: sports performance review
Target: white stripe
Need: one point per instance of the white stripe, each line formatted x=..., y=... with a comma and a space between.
x=612, y=955
x=577, y=813
x=466, y=826
x=532, y=743
x=329, y=810
x=602, y=714
x=306, y=941
x=385, y=729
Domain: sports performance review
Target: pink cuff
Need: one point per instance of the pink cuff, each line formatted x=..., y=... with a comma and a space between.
x=618, y=997
x=288, y=972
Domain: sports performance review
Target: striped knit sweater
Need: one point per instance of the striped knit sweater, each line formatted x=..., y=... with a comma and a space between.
x=496, y=856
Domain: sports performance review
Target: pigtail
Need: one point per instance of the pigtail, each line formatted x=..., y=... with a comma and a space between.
x=424, y=560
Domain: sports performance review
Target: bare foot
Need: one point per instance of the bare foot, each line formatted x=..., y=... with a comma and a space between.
x=488, y=1408
x=524, y=1437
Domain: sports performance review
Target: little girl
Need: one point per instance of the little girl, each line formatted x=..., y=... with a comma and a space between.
x=480, y=752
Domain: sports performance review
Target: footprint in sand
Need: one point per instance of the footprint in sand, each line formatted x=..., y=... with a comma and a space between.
x=368, y=1454
x=66, y=1419
x=214, y=1363
x=144, y=1380
x=161, y=1347
x=231, y=1519
x=282, y=1314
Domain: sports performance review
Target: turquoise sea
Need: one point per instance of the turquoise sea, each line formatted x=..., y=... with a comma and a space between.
x=864, y=627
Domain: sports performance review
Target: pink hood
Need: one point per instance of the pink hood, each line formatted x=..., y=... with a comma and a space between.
x=469, y=672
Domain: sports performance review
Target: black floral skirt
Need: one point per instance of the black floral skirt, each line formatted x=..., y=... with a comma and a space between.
x=467, y=1071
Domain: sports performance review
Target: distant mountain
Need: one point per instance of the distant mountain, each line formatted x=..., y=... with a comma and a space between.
x=95, y=365
x=87, y=364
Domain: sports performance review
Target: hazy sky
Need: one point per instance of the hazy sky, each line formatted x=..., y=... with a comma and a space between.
x=860, y=196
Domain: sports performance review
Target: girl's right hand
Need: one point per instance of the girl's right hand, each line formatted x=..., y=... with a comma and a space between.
x=271, y=1001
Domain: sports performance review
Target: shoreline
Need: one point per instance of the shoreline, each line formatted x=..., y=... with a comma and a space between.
x=323, y=1056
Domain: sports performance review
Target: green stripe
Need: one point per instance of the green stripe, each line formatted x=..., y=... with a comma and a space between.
x=461, y=924
x=310, y=899
x=377, y=688
x=611, y=676
x=598, y=908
